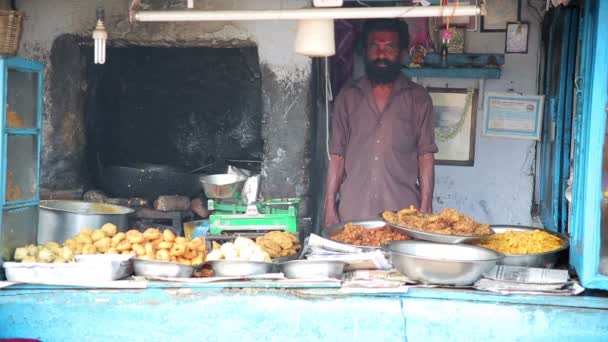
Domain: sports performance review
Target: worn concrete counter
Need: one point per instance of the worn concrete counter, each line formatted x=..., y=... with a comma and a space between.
x=171, y=312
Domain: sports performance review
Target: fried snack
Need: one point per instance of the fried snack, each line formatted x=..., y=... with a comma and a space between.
x=358, y=235
x=103, y=245
x=97, y=235
x=162, y=255
x=448, y=221
x=83, y=239
x=180, y=239
x=116, y=239
x=522, y=242
x=110, y=229
x=278, y=244
x=138, y=249
x=168, y=235
x=123, y=246
x=152, y=234
x=178, y=250
x=135, y=236
x=86, y=231
x=165, y=245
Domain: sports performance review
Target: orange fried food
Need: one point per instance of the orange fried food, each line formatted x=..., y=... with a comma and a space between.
x=447, y=221
x=357, y=235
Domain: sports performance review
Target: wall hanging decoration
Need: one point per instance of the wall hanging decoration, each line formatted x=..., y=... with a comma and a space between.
x=499, y=13
x=517, y=37
x=455, y=113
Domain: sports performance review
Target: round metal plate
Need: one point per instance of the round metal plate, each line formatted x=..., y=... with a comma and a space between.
x=434, y=237
x=367, y=224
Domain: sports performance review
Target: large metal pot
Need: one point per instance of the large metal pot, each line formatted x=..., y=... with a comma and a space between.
x=59, y=220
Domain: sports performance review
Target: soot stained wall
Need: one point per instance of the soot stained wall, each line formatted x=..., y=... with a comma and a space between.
x=176, y=106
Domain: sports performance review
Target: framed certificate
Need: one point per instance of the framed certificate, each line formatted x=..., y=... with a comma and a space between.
x=512, y=116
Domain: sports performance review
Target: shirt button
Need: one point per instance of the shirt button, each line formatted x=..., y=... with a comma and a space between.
x=376, y=158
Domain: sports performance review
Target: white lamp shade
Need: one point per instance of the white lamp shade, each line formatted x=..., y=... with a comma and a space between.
x=315, y=38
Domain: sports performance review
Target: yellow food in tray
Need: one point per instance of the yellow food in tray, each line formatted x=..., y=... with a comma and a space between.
x=522, y=242
x=279, y=244
x=152, y=244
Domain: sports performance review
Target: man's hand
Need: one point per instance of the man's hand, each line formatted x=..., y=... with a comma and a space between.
x=330, y=215
x=335, y=175
x=426, y=178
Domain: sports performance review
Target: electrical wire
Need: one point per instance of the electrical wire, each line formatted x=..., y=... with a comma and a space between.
x=328, y=97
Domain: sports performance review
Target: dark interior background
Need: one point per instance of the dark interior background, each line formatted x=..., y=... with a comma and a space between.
x=174, y=106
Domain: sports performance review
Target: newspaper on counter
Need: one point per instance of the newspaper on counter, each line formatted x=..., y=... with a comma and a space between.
x=318, y=248
x=375, y=279
x=527, y=280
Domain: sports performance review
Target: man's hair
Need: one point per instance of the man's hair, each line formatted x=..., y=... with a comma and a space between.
x=393, y=25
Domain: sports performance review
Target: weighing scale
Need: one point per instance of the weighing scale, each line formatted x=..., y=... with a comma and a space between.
x=234, y=216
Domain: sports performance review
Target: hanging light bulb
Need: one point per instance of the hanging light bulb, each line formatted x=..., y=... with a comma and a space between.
x=100, y=35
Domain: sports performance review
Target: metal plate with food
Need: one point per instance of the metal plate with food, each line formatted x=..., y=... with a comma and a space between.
x=161, y=269
x=526, y=246
x=442, y=264
x=368, y=234
x=238, y=268
x=313, y=269
x=446, y=226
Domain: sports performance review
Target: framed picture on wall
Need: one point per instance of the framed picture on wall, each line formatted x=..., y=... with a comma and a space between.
x=455, y=114
x=499, y=13
x=517, y=38
x=468, y=23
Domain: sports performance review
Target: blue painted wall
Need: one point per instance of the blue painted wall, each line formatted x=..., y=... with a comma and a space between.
x=196, y=314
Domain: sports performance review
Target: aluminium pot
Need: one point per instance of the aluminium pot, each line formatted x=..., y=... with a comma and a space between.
x=58, y=220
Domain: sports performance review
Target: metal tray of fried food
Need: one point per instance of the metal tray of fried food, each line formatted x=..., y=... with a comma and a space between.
x=328, y=233
x=161, y=269
x=436, y=237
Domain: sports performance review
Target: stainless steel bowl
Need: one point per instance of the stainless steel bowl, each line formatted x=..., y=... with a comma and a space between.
x=443, y=264
x=541, y=260
x=59, y=220
x=222, y=185
x=434, y=237
x=161, y=269
x=367, y=224
x=311, y=269
x=238, y=268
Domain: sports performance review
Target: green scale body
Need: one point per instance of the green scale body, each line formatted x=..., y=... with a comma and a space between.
x=233, y=215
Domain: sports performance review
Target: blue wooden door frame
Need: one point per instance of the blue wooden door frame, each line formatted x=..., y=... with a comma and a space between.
x=23, y=65
x=590, y=127
x=557, y=127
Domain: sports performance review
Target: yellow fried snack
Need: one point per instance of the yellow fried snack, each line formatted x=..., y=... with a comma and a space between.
x=178, y=250
x=86, y=231
x=116, y=239
x=138, y=249
x=165, y=245
x=162, y=255
x=97, y=235
x=112, y=250
x=110, y=229
x=84, y=239
x=168, y=235
x=135, y=236
x=103, y=245
x=180, y=239
x=199, y=259
x=215, y=245
x=89, y=249
x=152, y=234
x=522, y=242
x=123, y=246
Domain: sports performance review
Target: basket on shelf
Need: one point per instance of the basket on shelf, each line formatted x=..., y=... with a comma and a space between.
x=10, y=31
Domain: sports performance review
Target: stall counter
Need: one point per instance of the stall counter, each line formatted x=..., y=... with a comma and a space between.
x=213, y=312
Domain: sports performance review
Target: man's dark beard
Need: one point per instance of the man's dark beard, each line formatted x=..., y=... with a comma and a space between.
x=387, y=73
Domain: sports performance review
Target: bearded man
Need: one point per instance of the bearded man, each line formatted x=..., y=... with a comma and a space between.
x=382, y=135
